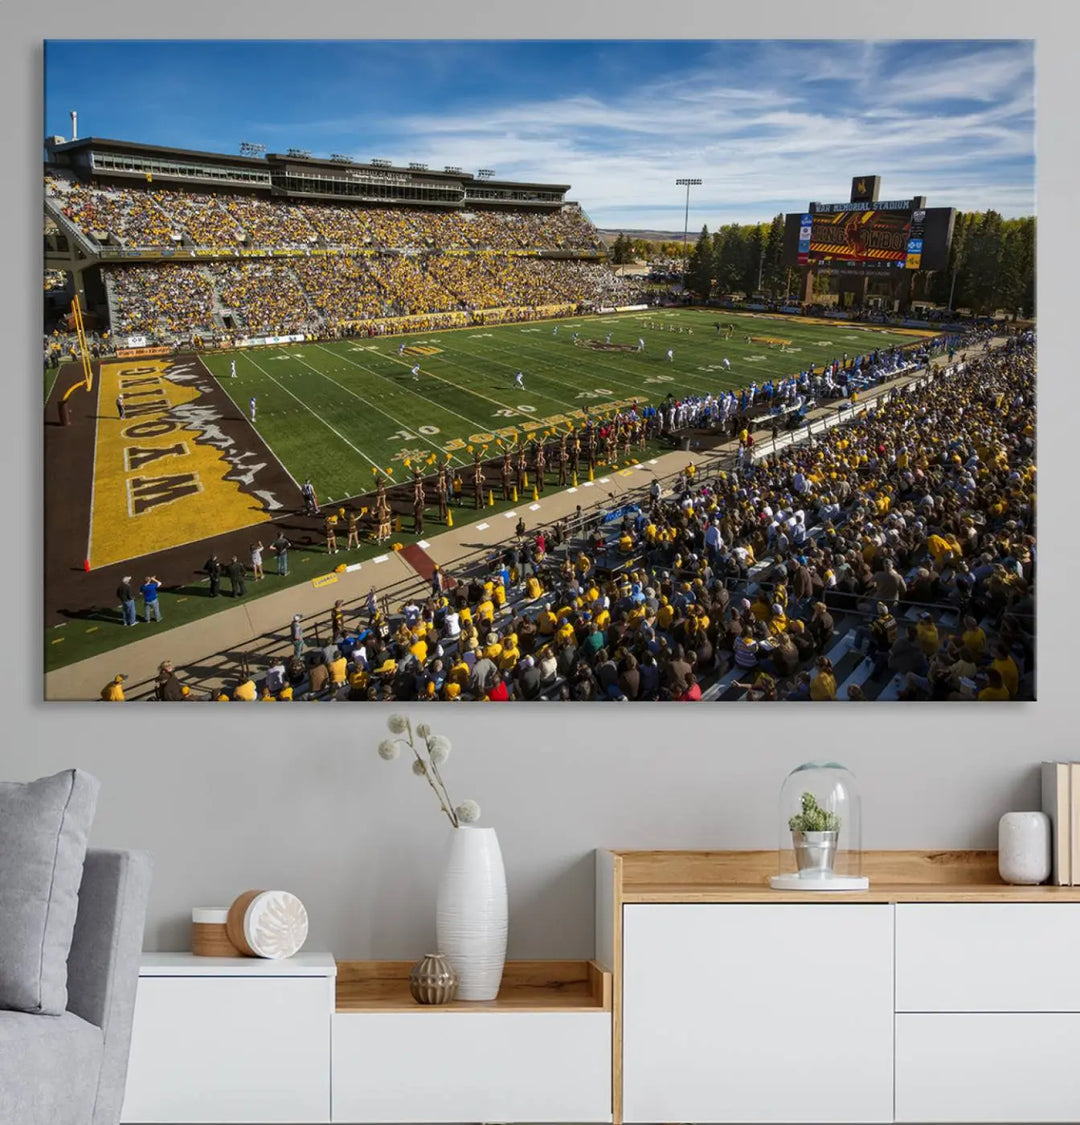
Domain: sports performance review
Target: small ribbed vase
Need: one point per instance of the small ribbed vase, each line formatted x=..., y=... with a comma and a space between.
x=432, y=980
x=470, y=912
x=1024, y=848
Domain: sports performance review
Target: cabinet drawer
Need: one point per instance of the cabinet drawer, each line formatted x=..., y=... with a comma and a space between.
x=988, y=957
x=224, y=1049
x=448, y=1066
x=988, y=1067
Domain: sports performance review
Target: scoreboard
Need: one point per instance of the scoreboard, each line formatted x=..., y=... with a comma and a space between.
x=869, y=235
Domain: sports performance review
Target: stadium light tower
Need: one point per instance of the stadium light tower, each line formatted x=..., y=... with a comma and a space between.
x=247, y=148
x=687, y=183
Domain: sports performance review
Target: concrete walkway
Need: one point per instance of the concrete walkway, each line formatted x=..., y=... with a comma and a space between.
x=208, y=652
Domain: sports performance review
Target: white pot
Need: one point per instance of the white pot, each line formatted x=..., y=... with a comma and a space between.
x=470, y=912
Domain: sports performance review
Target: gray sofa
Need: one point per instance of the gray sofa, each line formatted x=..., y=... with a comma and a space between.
x=70, y=1069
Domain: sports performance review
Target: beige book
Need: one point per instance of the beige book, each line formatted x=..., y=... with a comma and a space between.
x=1056, y=805
x=1074, y=812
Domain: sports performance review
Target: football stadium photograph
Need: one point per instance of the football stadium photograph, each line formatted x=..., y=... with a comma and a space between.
x=557, y=374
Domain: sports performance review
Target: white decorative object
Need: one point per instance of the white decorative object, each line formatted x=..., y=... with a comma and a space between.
x=1024, y=855
x=470, y=912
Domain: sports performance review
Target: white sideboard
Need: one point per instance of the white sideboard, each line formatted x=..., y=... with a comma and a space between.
x=224, y=1039
x=939, y=995
x=306, y=1041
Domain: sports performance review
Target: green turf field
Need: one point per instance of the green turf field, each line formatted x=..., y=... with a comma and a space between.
x=334, y=412
x=51, y=375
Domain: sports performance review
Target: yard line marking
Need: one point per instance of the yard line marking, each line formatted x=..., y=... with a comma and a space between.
x=332, y=429
x=380, y=558
x=93, y=468
x=423, y=544
x=431, y=375
x=363, y=367
x=482, y=526
x=266, y=444
x=384, y=413
x=509, y=366
x=509, y=515
x=533, y=507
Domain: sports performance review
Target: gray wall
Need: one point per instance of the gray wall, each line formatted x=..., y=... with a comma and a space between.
x=229, y=799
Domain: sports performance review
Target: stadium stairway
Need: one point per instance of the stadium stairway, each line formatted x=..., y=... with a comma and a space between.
x=110, y=297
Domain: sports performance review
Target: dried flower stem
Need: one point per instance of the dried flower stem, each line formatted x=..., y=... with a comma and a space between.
x=438, y=777
x=430, y=768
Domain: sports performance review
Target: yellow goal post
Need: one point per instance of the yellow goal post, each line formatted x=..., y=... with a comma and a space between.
x=84, y=352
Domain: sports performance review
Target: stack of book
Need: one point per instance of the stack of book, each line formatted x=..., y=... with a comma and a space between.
x=1061, y=802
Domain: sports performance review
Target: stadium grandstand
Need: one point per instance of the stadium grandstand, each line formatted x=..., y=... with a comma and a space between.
x=180, y=247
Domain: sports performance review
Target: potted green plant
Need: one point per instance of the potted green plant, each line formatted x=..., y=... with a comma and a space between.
x=814, y=834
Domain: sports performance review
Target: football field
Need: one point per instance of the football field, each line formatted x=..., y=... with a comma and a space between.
x=335, y=412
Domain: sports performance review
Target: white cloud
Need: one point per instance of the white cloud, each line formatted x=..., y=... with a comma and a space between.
x=954, y=122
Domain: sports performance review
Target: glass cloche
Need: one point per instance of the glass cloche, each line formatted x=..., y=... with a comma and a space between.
x=820, y=826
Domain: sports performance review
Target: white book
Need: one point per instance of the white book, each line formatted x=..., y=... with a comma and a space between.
x=1056, y=805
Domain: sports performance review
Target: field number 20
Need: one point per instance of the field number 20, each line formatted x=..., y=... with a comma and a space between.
x=597, y=392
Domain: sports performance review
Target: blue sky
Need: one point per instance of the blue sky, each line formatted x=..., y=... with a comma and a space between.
x=767, y=124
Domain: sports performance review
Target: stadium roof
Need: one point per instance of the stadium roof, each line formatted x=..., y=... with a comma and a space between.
x=135, y=147
x=278, y=159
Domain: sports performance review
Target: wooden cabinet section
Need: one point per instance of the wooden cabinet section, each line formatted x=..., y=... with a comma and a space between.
x=763, y=1013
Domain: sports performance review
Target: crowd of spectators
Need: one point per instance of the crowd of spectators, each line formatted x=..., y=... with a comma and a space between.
x=162, y=300
x=131, y=218
x=913, y=524
x=319, y=294
x=148, y=217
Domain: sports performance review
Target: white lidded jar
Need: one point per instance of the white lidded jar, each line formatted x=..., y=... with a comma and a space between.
x=1024, y=848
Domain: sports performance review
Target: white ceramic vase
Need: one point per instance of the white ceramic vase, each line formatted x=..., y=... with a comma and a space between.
x=1024, y=848
x=470, y=912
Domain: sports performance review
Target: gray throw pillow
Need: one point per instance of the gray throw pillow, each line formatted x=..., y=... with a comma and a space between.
x=44, y=827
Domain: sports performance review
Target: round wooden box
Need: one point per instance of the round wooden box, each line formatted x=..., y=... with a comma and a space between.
x=271, y=924
x=209, y=936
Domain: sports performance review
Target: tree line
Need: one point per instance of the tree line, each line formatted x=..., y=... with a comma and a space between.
x=991, y=262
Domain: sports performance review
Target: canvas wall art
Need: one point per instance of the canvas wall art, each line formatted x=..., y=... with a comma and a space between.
x=620, y=371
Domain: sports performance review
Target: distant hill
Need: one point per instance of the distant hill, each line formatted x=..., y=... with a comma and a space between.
x=609, y=236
